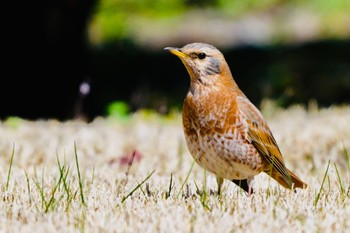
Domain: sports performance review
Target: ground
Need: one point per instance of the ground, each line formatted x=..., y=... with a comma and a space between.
x=136, y=175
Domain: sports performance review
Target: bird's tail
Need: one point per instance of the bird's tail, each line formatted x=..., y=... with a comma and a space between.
x=288, y=182
x=297, y=181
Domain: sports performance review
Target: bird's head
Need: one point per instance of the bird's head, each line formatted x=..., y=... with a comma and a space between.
x=205, y=64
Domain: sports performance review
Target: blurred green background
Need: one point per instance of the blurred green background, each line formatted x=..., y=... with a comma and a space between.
x=73, y=58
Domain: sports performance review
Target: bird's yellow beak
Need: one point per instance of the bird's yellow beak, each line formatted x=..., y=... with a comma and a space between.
x=176, y=51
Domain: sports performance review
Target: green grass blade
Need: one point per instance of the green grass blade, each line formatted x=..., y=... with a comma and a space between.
x=55, y=188
x=167, y=195
x=341, y=186
x=346, y=156
x=322, y=184
x=79, y=177
x=41, y=191
x=142, y=191
x=185, y=181
x=28, y=187
x=138, y=186
x=64, y=171
x=10, y=168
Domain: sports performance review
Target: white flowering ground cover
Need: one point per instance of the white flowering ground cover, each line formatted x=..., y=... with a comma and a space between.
x=136, y=175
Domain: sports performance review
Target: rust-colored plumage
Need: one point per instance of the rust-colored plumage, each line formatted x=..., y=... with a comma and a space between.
x=225, y=133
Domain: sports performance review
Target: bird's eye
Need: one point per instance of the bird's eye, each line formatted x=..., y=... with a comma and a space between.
x=201, y=55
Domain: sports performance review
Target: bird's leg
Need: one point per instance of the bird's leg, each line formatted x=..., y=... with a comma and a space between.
x=250, y=186
x=250, y=190
x=219, y=180
x=246, y=185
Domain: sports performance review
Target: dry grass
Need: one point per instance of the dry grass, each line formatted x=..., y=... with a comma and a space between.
x=50, y=187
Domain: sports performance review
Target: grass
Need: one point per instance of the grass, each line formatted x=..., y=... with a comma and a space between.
x=167, y=195
x=79, y=176
x=67, y=177
x=139, y=185
x=318, y=195
x=10, y=167
x=346, y=157
x=185, y=181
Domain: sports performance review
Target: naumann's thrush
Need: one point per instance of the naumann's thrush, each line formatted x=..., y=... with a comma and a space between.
x=225, y=133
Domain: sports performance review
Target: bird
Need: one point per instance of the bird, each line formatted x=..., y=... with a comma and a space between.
x=225, y=132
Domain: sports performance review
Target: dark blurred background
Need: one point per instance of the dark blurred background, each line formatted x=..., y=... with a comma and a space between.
x=71, y=58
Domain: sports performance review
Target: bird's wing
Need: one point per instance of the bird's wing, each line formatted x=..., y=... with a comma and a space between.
x=262, y=139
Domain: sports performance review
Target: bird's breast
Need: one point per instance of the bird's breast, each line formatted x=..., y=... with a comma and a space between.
x=216, y=134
